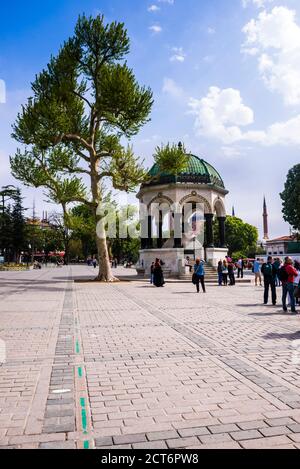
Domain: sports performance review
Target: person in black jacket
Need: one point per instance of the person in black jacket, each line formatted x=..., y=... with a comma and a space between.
x=158, y=276
x=269, y=272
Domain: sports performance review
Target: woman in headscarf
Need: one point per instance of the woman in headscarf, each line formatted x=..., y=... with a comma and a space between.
x=158, y=276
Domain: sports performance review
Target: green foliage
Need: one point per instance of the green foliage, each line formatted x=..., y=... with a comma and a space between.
x=48, y=168
x=241, y=237
x=82, y=104
x=12, y=223
x=82, y=226
x=171, y=159
x=291, y=198
x=126, y=248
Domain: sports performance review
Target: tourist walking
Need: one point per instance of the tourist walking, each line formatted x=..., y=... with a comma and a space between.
x=220, y=273
x=225, y=273
x=240, y=267
x=257, y=272
x=199, y=275
x=158, y=276
x=269, y=273
x=287, y=275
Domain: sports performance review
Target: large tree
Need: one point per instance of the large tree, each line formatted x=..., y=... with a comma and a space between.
x=85, y=101
x=291, y=198
x=241, y=237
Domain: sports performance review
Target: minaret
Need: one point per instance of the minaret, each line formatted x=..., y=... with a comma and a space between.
x=266, y=224
x=233, y=211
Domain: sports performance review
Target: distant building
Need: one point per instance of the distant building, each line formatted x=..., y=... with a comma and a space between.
x=282, y=246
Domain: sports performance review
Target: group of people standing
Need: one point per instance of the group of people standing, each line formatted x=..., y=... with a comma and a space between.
x=286, y=274
x=227, y=270
x=157, y=275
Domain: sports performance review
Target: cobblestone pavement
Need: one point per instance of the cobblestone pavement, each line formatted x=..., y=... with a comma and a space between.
x=130, y=366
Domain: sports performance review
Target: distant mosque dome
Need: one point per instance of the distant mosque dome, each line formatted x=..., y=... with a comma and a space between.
x=198, y=171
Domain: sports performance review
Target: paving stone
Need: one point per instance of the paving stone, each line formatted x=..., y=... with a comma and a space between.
x=182, y=442
x=280, y=422
x=252, y=425
x=125, y=439
x=153, y=436
x=223, y=428
x=246, y=435
x=213, y=439
x=186, y=432
x=266, y=443
x=295, y=428
x=106, y=441
x=58, y=445
x=295, y=437
x=275, y=431
x=150, y=445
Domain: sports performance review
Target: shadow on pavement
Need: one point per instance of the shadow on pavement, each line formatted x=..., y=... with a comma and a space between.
x=291, y=336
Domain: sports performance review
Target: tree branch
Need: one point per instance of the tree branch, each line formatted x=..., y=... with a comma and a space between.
x=77, y=138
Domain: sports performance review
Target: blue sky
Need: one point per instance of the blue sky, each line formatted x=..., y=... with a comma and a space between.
x=225, y=76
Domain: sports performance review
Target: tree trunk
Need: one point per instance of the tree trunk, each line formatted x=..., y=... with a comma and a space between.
x=105, y=270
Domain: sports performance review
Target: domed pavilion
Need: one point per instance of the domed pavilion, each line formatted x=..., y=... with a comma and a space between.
x=177, y=217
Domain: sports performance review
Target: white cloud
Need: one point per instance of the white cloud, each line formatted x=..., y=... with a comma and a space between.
x=153, y=8
x=211, y=30
x=171, y=88
x=274, y=38
x=220, y=114
x=156, y=29
x=2, y=92
x=170, y=2
x=284, y=133
x=231, y=152
x=178, y=56
x=257, y=3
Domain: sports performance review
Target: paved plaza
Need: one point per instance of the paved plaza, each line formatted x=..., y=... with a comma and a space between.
x=130, y=366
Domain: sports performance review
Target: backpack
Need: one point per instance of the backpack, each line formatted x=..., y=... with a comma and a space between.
x=267, y=270
x=282, y=274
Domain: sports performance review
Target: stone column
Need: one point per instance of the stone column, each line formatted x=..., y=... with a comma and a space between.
x=209, y=230
x=160, y=231
x=149, y=240
x=177, y=230
x=222, y=233
x=144, y=233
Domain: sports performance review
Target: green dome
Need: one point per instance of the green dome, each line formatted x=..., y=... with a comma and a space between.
x=197, y=171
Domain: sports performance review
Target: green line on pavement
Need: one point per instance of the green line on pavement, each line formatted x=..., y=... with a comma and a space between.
x=77, y=347
x=84, y=420
x=80, y=372
x=82, y=402
x=86, y=445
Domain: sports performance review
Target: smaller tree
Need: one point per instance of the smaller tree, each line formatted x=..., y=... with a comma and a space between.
x=241, y=237
x=18, y=240
x=171, y=159
x=291, y=198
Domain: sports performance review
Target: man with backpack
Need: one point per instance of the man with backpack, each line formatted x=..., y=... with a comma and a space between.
x=269, y=273
x=286, y=275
